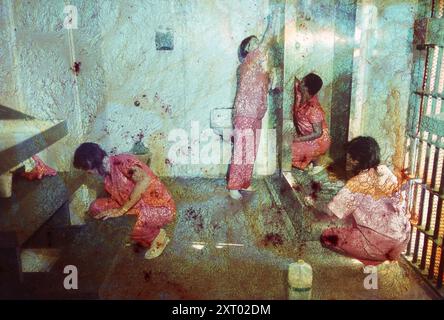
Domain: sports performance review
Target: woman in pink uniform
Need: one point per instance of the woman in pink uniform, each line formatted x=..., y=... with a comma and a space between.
x=250, y=106
x=376, y=203
x=312, y=138
x=135, y=190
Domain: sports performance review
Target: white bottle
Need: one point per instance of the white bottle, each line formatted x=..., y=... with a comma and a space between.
x=300, y=279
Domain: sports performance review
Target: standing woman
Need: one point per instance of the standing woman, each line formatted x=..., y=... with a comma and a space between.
x=135, y=190
x=250, y=106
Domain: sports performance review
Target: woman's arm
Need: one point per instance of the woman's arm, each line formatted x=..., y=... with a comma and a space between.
x=317, y=133
x=268, y=34
x=297, y=100
x=343, y=204
x=142, y=181
x=297, y=93
x=273, y=79
x=348, y=199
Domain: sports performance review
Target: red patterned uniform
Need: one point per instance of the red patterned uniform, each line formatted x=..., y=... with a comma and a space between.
x=304, y=117
x=250, y=107
x=155, y=209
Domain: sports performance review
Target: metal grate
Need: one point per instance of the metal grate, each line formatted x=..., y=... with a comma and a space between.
x=425, y=159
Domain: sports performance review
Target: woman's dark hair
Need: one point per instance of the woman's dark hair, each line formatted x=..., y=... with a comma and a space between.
x=366, y=151
x=243, y=47
x=89, y=156
x=313, y=83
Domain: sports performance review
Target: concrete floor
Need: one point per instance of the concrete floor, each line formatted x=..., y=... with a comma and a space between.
x=219, y=249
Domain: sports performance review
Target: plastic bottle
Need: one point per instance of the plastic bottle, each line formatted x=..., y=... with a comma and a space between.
x=300, y=279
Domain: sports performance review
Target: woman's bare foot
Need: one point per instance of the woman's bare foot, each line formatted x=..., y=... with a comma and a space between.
x=235, y=194
x=158, y=245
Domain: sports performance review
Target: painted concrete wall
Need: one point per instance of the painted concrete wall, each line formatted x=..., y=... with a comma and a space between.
x=126, y=90
x=41, y=82
x=382, y=74
x=318, y=39
x=147, y=92
x=363, y=52
x=8, y=83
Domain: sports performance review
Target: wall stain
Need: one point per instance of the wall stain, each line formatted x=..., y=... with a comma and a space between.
x=394, y=129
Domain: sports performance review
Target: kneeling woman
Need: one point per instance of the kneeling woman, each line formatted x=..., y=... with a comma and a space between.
x=376, y=202
x=134, y=189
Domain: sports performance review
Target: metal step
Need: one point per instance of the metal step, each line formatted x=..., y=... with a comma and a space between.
x=36, y=216
x=21, y=139
x=34, y=202
x=11, y=114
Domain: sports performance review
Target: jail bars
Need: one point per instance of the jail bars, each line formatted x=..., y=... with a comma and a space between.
x=425, y=156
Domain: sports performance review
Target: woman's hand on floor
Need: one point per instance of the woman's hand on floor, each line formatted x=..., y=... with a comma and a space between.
x=112, y=213
x=309, y=201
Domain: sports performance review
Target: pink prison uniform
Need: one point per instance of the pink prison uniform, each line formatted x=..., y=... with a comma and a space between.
x=155, y=209
x=250, y=107
x=377, y=204
x=304, y=117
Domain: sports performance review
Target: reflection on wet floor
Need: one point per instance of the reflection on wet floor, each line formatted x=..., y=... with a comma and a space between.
x=227, y=249
x=220, y=248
